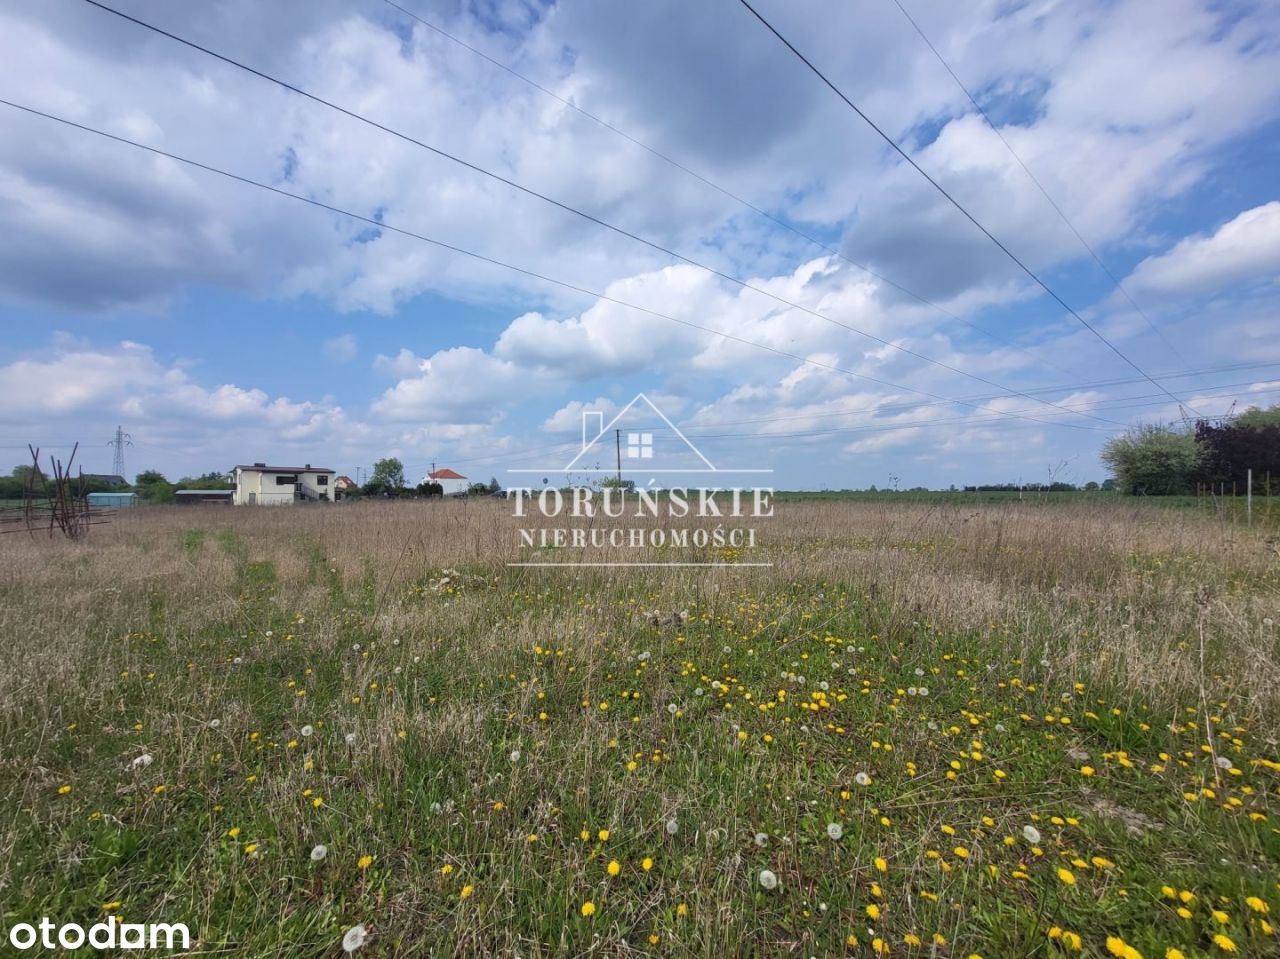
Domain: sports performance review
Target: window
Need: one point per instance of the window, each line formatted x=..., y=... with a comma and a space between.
x=639, y=446
x=322, y=479
x=285, y=479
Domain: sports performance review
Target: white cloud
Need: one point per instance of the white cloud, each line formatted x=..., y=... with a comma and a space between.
x=1242, y=249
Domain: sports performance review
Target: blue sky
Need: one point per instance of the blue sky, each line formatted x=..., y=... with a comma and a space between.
x=219, y=324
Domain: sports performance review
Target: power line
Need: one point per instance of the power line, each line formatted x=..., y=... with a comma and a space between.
x=724, y=191
x=954, y=202
x=1034, y=179
x=884, y=407
x=744, y=284
x=1100, y=404
x=382, y=224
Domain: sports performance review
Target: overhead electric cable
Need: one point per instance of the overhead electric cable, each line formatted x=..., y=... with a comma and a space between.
x=744, y=284
x=384, y=225
x=954, y=202
x=1040, y=186
x=724, y=191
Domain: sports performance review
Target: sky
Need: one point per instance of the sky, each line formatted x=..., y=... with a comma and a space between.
x=783, y=285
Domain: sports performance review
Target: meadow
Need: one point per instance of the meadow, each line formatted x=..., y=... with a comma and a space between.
x=928, y=729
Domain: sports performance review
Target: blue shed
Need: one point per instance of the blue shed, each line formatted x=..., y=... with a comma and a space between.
x=115, y=500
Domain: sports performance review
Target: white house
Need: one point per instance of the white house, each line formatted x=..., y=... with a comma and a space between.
x=263, y=485
x=452, y=483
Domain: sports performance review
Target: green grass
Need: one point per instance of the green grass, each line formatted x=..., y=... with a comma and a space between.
x=500, y=721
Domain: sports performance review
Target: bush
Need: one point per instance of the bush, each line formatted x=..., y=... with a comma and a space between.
x=1154, y=460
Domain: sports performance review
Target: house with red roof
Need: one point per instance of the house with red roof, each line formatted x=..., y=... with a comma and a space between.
x=452, y=483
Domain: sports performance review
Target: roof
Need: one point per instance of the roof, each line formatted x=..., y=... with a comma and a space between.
x=445, y=474
x=344, y=479
x=115, y=479
x=108, y=494
x=283, y=469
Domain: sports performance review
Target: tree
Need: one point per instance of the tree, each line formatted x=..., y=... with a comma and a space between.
x=1255, y=419
x=212, y=480
x=494, y=485
x=1091, y=487
x=1153, y=460
x=1249, y=442
x=387, y=478
x=152, y=487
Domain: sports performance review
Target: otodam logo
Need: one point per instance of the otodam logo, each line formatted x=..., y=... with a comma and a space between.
x=680, y=500
x=108, y=934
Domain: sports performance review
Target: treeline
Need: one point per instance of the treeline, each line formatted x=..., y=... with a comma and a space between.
x=1171, y=460
x=150, y=486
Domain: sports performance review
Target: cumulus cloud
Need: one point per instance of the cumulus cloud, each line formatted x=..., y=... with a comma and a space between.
x=1244, y=248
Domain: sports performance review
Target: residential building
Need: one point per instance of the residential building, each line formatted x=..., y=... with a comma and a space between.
x=261, y=485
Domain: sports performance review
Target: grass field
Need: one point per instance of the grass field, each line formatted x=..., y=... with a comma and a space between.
x=928, y=730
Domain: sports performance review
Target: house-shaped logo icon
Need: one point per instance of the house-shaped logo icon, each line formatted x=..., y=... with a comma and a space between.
x=637, y=445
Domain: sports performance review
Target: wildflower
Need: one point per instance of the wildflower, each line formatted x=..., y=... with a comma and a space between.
x=354, y=938
x=319, y=852
x=515, y=755
x=614, y=867
x=646, y=863
x=1031, y=834
x=961, y=852
x=603, y=835
x=881, y=864
x=1067, y=876
x=1086, y=770
x=1121, y=949
x=768, y=880
x=233, y=832
x=306, y=731
x=63, y=790
x=364, y=862
x=1257, y=905
x=467, y=891
x=873, y=912
x=835, y=830
x=673, y=827
x=588, y=909
x=1172, y=953
x=762, y=839
x=862, y=779
x=1224, y=943
x=251, y=849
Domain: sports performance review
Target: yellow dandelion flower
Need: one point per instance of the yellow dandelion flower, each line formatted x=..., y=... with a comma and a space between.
x=1224, y=943
x=233, y=832
x=467, y=891
x=63, y=790
x=881, y=864
x=1086, y=770
x=603, y=835
x=1066, y=876
x=873, y=912
x=646, y=864
x=1257, y=905
x=446, y=869
x=614, y=867
x=365, y=861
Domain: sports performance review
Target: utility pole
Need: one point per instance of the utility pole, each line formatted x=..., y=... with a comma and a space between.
x=617, y=445
x=120, y=441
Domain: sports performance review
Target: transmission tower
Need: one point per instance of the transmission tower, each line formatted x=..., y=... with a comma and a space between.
x=121, y=440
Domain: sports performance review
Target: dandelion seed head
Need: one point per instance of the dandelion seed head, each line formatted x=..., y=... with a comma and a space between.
x=354, y=938
x=768, y=880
